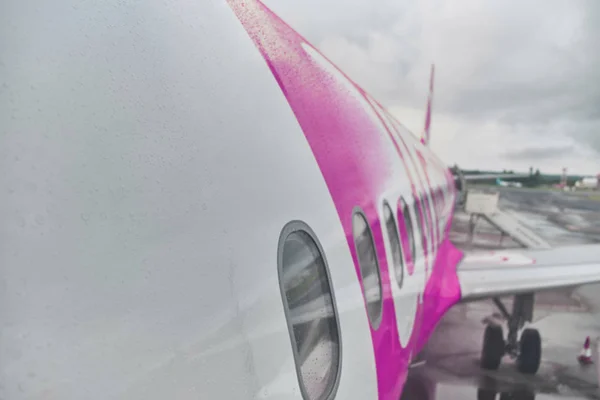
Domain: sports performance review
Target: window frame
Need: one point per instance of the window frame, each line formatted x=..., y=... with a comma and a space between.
x=290, y=228
x=375, y=323
x=430, y=207
x=410, y=229
x=439, y=204
x=417, y=206
x=427, y=218
x=400, y=283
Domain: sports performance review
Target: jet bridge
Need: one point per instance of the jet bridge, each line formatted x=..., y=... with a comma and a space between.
x=484, y=205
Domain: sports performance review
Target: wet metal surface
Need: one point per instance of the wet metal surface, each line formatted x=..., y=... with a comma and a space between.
x=564, y=318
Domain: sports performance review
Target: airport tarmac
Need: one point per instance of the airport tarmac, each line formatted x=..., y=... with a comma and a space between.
x=564, y=318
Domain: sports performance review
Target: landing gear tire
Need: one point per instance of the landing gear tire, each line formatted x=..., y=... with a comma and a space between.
x=486, y=394
x=493, y=347
x=518, y=395
x=530, y=351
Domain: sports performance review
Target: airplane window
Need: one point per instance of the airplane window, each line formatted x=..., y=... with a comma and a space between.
x=369, y=267
x=394, y=238
x=438, y=200
x=420, y=221
x=426, y=211
x=431, y=207
x=426, y=228
x=409, y=228
x=439, y=208
x=310, y=310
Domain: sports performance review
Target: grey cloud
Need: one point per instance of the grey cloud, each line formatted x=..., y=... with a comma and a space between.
x=531, y=66
x=539, y=153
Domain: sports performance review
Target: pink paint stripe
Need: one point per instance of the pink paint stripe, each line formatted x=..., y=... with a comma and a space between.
x=350, y=147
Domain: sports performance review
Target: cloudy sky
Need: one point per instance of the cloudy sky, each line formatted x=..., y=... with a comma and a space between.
x=517, y=82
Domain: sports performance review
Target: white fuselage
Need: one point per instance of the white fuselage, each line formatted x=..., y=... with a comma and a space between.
x=151, y=160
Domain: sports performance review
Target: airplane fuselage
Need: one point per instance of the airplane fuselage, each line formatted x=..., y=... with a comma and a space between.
x=164, y=155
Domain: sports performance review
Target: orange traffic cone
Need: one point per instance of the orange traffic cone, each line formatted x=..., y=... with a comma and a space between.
x=585, y=357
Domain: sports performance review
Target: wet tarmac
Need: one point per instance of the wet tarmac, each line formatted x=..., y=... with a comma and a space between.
x=564, y=318
x=576, y=212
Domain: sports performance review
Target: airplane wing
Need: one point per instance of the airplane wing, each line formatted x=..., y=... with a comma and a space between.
x=489, y=274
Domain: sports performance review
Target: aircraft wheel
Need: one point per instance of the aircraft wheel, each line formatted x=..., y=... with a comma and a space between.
x=530, y=351
x=493, y=347
x=518, y=395
x=486, y=394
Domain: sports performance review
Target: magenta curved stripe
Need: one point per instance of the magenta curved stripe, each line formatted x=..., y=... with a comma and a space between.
x=349, y=145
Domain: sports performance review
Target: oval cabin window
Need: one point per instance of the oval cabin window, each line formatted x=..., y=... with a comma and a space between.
x=420, y=232
x=394, y=239
x=427, y=227
x=369, y=267
x=408, y=225
x=310, y=311
x=432, y=220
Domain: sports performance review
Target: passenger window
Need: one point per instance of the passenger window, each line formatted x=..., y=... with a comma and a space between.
x=430, y=207
x=369, y=267
x=431, y=204
x=439, y=208
x=425, y=210
x=421, y=231
x=409, y=228
x=394, y=239
x=310, y=310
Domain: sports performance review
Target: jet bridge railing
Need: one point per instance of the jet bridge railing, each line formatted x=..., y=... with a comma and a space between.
x=480, y=204
x=484, y=205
